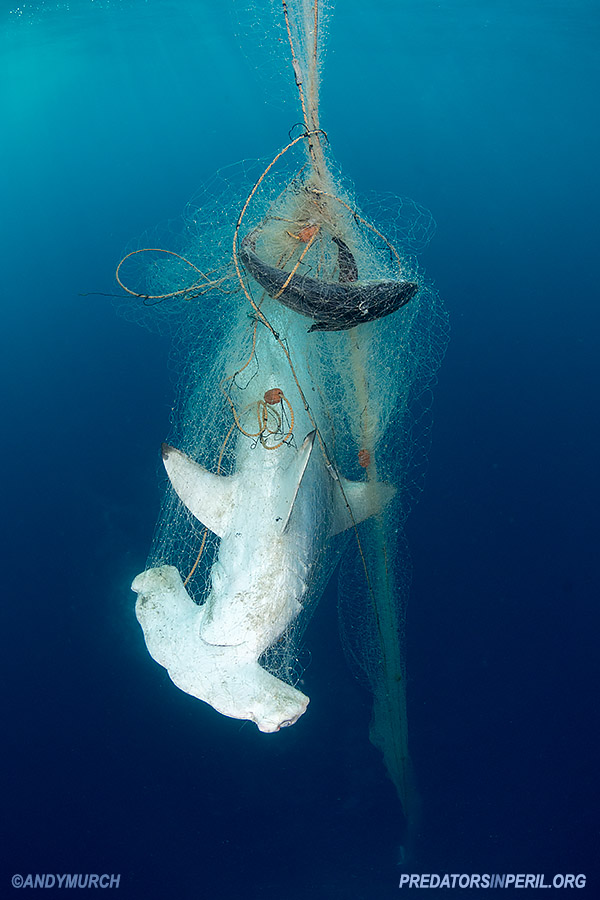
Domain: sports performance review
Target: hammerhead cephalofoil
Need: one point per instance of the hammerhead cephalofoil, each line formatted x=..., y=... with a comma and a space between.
x=333, y=306
x=275, y=516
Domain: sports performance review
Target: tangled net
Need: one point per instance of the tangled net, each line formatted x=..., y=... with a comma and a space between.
x=263, y=252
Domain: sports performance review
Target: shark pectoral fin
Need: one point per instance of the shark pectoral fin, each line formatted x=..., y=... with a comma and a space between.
x=365, y=499
x=293, y=479
x=208, y=497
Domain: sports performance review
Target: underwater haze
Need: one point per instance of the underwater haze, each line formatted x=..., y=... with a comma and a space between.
x=114, y=114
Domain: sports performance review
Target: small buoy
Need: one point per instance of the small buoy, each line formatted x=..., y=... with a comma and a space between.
x=306, y=233
x=364, y=458
x=273, y=396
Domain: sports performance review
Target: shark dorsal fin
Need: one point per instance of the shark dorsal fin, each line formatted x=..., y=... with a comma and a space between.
x=294, y=477
x=365, y=499
x=208, y=497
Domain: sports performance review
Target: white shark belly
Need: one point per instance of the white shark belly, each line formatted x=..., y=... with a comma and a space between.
x=263, y=571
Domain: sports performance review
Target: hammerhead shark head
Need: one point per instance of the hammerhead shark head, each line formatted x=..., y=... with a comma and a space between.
x=336, y=306
x=274, y=515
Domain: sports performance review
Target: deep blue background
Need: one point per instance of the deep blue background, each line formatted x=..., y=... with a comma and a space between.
x=113, y=114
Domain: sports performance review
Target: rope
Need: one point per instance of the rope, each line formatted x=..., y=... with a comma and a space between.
x=296, y=66
x=293, y=272
x=209, y=286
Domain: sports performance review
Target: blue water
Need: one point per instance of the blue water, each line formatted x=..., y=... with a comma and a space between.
x=113, y=115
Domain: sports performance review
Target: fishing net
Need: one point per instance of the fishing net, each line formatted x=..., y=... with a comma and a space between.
x=295, y=309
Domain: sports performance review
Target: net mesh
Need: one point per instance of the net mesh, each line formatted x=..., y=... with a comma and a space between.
x=266, y=254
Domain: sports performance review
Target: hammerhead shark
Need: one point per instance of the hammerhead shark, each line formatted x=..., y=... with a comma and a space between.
x=335, y=306
x=274, y=516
